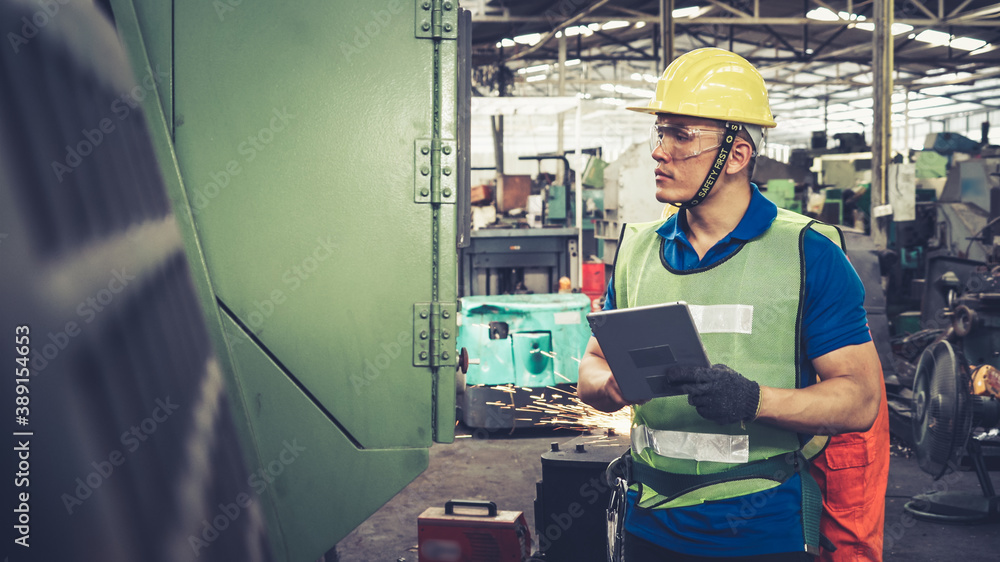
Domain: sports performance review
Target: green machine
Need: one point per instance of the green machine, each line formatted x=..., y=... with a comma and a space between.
x=314, y=155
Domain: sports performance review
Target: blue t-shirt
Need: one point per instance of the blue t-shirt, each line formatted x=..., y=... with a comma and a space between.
x=833, y=316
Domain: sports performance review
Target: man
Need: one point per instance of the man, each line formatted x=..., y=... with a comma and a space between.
x=732, y=253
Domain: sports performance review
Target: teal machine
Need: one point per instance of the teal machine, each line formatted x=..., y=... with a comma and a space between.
x=526, y=345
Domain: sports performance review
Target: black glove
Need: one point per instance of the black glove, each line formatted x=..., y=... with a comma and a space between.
x=719, y=393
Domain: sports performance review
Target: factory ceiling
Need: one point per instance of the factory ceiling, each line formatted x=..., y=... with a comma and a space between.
x=816, y=55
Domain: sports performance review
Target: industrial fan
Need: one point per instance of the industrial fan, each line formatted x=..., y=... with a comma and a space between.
x=947, y=410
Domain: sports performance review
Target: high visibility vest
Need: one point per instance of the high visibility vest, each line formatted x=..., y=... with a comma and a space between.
x=748, y=307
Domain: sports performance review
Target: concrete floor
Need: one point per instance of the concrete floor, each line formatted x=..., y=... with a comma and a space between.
x=503, y=468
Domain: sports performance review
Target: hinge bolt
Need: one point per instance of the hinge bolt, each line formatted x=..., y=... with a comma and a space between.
x=423, y=313
x=447, y=27
x=424, y=192
x=423, y=355
x=425, y=149
x=444, y=355
x=446, y=192
x=446, y=149
x=425, y=25
x=426, y=5
x=445, y=335
x=424, y=170
x=446, y=171
x=445, y=314
x=423, y=335
x=447, y=5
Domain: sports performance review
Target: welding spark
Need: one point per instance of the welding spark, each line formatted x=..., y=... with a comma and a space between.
x=577, y=415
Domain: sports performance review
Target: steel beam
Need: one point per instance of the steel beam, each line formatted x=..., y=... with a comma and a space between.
x=882, y=51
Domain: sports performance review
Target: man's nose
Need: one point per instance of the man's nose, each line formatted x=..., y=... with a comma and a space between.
x=659, y=154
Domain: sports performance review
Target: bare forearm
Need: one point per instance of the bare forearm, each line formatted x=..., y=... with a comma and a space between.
x=845, y=400
x=827, y=408
x=596, y=385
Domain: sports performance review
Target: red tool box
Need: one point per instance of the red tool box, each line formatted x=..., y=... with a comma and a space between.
x=472, y=531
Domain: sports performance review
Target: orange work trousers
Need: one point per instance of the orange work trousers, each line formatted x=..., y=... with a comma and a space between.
x=852, y=473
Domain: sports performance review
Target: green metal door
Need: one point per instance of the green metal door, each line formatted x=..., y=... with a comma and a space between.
x=315, y=144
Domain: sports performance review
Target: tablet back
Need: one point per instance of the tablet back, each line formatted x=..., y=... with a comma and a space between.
x=640, y=343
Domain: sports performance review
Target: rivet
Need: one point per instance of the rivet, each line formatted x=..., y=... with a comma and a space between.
x=425, y=149
x=426, y=5
x=447, y=27
x=423, y=335
x=444, y=355
x=425, y=25
x=446, y=192
x=446, y=171
x=424, y=192
x=445, y=335
x=445, y=314
x=424, y=170
x=423, y=355
x=446, y=149
x=447, y=5
x=423, y=313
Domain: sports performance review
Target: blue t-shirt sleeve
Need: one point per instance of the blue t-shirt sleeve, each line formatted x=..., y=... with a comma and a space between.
x=833, y=315
x=609, y=296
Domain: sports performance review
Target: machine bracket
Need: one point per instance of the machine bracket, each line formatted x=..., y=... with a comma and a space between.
x=436, y=19
x=434, y=334
x=435, y=159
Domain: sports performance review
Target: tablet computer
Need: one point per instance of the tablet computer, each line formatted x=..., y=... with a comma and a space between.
x=640, y=343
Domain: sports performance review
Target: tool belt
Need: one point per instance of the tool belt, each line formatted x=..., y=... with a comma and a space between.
x=778, y=468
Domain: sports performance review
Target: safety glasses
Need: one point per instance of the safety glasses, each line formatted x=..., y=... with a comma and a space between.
x=682, y=143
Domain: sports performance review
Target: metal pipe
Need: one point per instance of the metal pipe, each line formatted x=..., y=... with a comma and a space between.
x=882, y=53
x=667, y=32
x=561, y=118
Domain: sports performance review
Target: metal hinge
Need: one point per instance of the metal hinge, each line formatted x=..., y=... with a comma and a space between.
x=434, y=332
x=437, y=19
x=434, y=159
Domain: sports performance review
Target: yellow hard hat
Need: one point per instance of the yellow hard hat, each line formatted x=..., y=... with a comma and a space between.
x=714, y=84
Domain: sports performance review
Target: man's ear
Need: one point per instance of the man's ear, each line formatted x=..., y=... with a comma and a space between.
x=739, y=156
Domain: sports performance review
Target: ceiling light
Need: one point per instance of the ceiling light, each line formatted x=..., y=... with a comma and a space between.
x=822, y=14
x=985, y=49
x=608, y=87
x=688, y=12
x=536, y=78
x=636, y=76
x=505, y=43
x=537, y=68
x=572, y=62
x=614, y=24
x=529, y=39
x=933, y=37
x=641, y=24
x=967, y=43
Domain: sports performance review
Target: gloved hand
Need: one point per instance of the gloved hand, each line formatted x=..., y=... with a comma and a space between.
x=718, y=393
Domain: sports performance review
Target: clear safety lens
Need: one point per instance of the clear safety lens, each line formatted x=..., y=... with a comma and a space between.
x=682, y=143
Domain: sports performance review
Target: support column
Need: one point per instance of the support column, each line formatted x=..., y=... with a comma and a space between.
x=666, y=33
x=882, y=63
x=561, y=118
